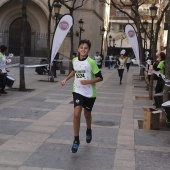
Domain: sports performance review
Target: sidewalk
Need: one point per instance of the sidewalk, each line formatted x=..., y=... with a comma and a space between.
x=36, y=131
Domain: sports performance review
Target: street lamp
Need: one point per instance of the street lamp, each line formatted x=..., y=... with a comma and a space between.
x=57, y=7
x=153, y=12
x=53, y=67
x=102, y=32
x=145, y=26
x=110, y=39
x=81, y=22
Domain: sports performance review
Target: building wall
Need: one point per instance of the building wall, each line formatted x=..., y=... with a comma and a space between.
x=92, y=13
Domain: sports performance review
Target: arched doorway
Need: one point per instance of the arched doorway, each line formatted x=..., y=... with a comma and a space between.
x=15, y=37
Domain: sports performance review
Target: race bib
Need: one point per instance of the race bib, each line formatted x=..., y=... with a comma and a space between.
x=81, y=76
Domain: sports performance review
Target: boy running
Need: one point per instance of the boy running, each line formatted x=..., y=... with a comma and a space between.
x=86, y=74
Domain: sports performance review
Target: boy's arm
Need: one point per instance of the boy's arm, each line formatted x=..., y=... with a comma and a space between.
x=63, y=82
x=98, y=78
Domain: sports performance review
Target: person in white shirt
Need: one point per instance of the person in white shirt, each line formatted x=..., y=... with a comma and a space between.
x=128, y=61
x=3, y=51
x=121, y=63
x=110, y=61
x=98, y=59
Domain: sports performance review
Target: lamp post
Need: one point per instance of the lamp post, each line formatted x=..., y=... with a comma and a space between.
x=53, y=67
x=145, y=25
x=102, y=33
x=109, y=48
x=81, y=22
x=153, y=12
x=57, y=7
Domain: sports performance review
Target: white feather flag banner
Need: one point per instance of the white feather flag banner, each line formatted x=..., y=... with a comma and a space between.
x=61, y=31
x=131, y=35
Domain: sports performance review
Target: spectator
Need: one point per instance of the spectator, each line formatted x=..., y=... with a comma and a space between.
x=3, y=51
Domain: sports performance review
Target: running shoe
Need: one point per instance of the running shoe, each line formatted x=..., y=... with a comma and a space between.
x=75, y=146
x=88, y=137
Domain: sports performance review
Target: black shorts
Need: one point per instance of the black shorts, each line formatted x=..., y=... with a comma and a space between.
x=83, y=101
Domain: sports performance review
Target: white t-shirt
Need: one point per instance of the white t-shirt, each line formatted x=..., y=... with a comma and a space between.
x=110, y=58
x=98, y=59
x=84, y=70
x=122, y=62
x=128, y=60
x=3, y=64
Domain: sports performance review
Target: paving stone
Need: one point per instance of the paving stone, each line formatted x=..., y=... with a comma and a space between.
x=13, y=158
x=32, y=104
x=29, y=168
x=25, y=113
x=152, y=138
x=101, y=135
x=152, y=160
x=9, y=127
x=58, y=156
x=7, y=167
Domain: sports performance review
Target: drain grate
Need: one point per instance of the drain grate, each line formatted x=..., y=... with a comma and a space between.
x=103, y=123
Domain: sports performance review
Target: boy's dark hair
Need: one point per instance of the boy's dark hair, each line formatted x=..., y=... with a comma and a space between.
x=85, y=42
x=3, y=48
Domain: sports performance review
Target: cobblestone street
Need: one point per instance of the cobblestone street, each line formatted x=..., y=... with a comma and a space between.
x=36, y=130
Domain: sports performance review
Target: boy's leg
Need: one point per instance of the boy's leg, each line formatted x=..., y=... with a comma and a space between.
x=88, y=117
x=76, y=120
x=76, y=124
x=88, y=105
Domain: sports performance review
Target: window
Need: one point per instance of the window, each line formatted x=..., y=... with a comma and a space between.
x=121, y=27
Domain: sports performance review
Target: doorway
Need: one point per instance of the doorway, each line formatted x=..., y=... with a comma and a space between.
x=15, y=37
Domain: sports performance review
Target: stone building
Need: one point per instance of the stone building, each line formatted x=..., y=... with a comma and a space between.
x=94, y=14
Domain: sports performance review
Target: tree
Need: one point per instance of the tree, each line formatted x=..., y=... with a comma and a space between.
x=22, y=47
x=50, y=8
x=167, y=60
x=71, y=5
x=137, y=18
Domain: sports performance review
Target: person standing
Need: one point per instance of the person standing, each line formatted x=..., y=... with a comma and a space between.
x=3, y=51
x=128, y=61
x=98, y=59
x=110, y=61
x=121, y=63
x=161, y=68
x=87, y=74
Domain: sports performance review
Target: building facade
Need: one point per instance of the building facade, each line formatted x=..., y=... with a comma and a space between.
x=94, y=14
x=118, y=20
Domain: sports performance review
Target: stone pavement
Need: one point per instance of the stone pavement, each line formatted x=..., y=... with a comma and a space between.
x=36, y=127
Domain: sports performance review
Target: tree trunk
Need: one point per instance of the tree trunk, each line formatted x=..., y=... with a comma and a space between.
x=167, y=63
x=49, y=32
x=72, y=45
x=22, y=46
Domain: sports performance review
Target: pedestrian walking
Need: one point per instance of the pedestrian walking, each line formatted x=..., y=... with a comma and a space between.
x=98, y=59
x=110, y=61
x=87, y=74
x=128, y=61
x=121, y=63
